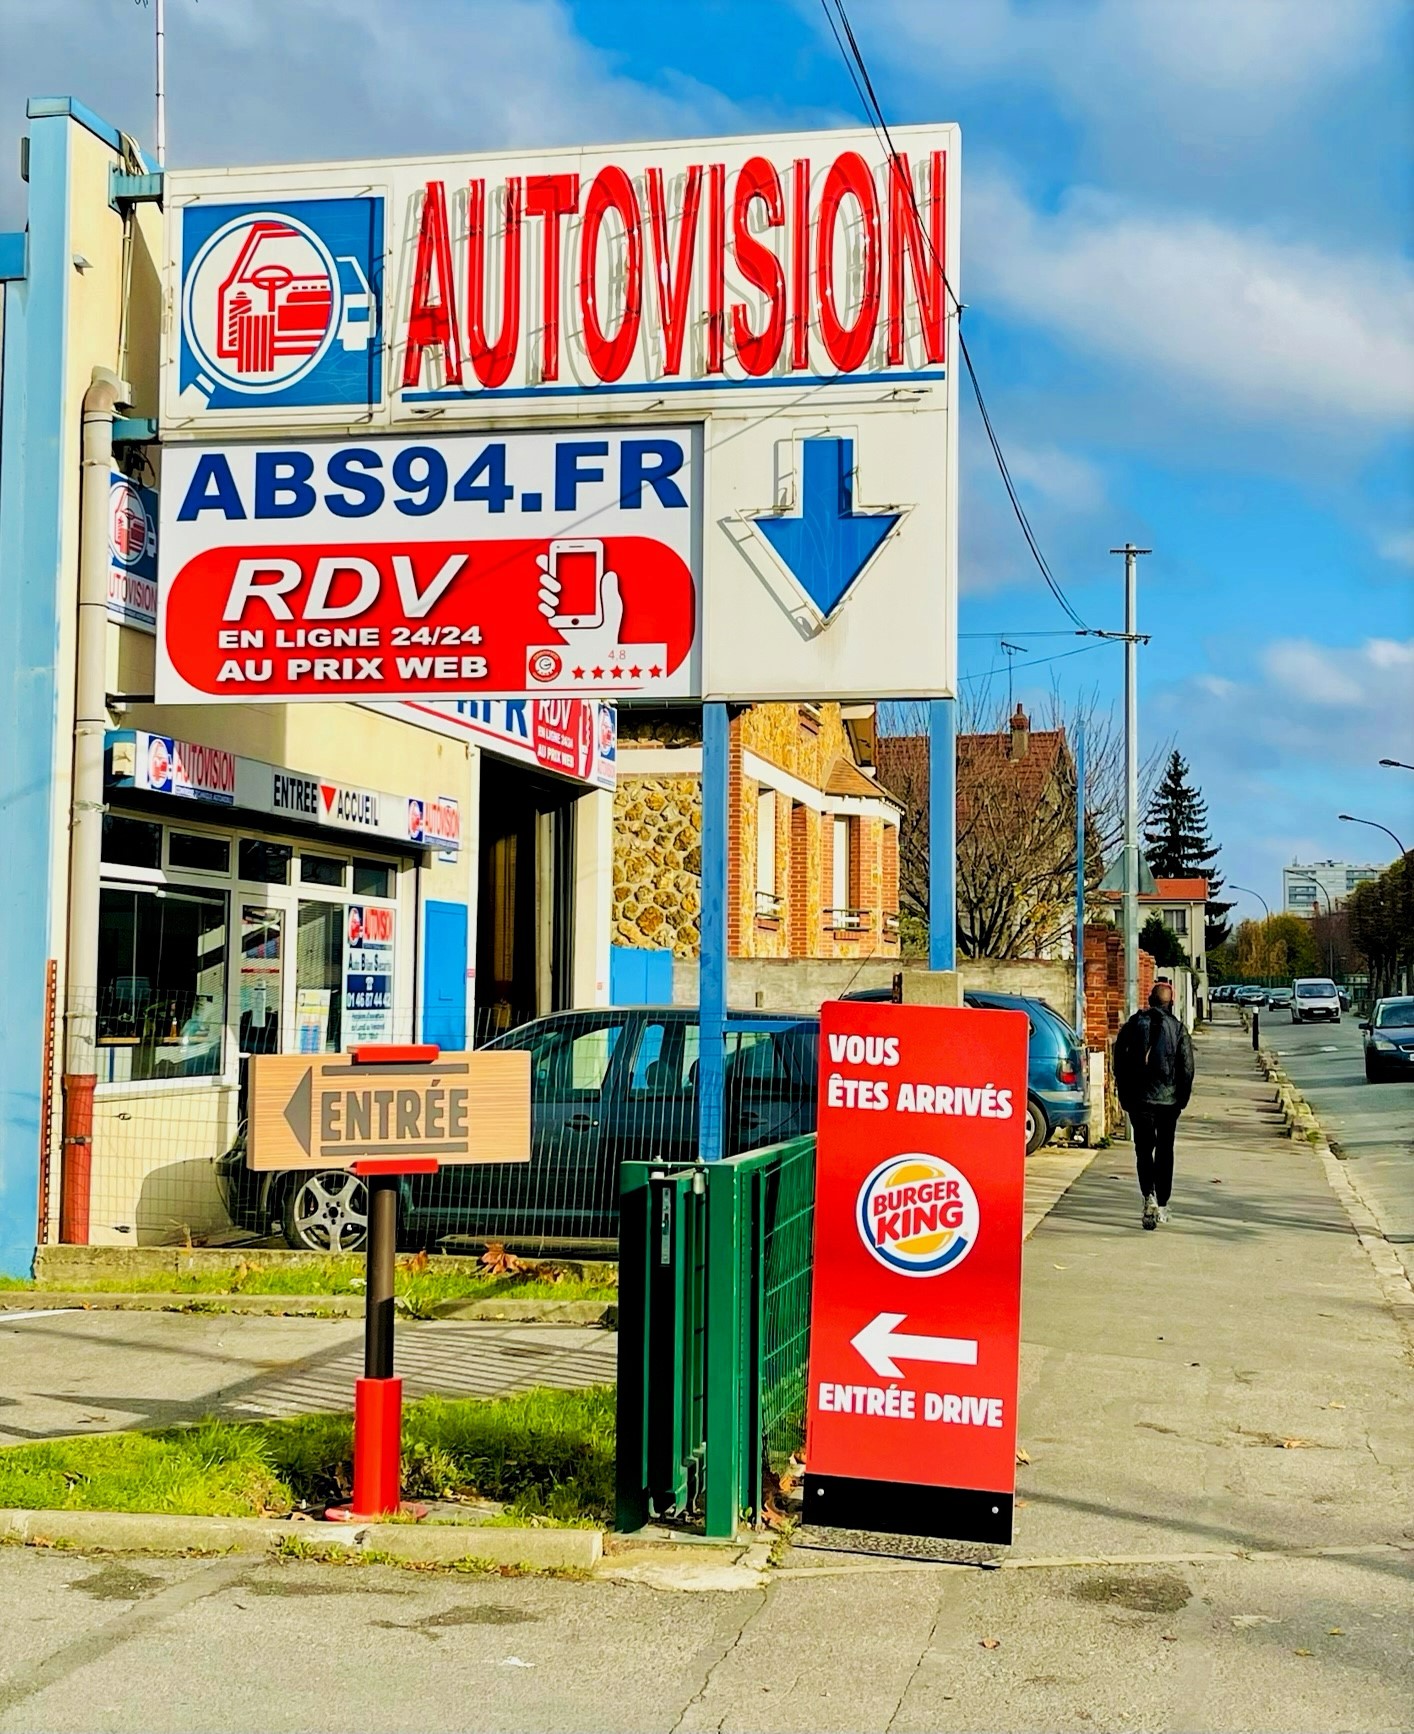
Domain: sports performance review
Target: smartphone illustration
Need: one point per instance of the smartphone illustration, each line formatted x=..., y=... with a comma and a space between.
x=577, y=566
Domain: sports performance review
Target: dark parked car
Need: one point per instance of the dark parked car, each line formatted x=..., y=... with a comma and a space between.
x=1389, y=1040
x=1279, y=998
x=1055, y=1079
x=611, y=1085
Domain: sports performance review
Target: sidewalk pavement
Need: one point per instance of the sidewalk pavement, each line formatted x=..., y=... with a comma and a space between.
x=1214, y=1532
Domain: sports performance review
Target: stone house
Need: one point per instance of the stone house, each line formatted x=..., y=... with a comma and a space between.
x=813, y=868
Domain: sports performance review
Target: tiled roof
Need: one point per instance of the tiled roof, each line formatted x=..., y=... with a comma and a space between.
x=982, y=759
x=1194, y=890
x=846, y=778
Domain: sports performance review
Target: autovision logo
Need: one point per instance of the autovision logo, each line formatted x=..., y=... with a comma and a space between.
x=281, y=305
x=918, y=1215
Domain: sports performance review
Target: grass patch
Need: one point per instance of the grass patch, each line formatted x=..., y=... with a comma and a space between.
x=418, y=1284
x=549, y=1455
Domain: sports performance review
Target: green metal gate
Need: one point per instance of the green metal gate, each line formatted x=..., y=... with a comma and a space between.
x=714, y=1331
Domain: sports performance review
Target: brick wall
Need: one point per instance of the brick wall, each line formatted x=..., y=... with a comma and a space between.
x=1104, y=984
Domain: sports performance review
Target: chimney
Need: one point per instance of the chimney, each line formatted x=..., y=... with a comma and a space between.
x=1020, y=734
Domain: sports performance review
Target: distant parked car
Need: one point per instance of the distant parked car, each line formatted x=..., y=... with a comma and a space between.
x=1389, y=1040
x=1055, y=1080
x=610, y=1085
x=1251, y=996
x=1314, y=997
x=1279, y=998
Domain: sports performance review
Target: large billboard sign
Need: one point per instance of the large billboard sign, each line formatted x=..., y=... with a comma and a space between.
x=592, y=280
x=916, y=1302
x=782, y=309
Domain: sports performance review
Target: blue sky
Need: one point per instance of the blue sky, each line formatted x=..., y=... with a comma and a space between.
x=1186, y=257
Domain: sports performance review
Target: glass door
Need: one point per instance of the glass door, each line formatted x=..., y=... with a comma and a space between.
x=260, y=988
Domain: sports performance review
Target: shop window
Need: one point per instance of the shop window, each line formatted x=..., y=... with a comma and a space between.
x=768, y=902
x=162, y=984
x=131, y=842
x=265, y=863
x=319, y=964
x=322, y=870
x=372, y=879
x=195, y=853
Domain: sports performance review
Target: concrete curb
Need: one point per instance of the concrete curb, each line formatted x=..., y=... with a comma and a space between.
x=338, y=1306
x=1301, y=1121
x=436, y=1544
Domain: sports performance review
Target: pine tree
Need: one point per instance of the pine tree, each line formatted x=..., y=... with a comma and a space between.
x=1177, y=845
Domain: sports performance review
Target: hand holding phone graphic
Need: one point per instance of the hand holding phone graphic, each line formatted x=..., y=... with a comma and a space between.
x=577, y=594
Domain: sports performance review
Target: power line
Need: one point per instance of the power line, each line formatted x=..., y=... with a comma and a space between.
x=853, y=57
x=1035, y=662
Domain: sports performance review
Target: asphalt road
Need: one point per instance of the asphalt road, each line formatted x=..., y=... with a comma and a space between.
x=1373, y=1124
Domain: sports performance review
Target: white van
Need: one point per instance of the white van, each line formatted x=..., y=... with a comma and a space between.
x=1314, y=997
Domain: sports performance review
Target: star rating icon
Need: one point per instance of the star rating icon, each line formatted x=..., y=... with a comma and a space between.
x=617, y=672
x=597, y=673
x=577, y=673
x=654, y=673
x=634, y=673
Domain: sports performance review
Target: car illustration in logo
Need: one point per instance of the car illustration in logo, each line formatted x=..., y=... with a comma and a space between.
x=159, y=764
x=918, y=1215
x=281, y=303
x=132, y=534
x=355, y=924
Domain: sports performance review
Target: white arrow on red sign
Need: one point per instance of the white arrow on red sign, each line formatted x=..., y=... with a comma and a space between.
x=883, y=1345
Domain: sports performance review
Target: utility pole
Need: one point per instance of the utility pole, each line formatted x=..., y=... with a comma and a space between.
x=1131, y=774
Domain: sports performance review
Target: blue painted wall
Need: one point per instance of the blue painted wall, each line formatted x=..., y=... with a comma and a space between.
x=32, y=459
x=638, y=976
x=445, y=930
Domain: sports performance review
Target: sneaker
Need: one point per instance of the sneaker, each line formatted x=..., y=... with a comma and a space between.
x=1150, y=1218
x=1163, y=1213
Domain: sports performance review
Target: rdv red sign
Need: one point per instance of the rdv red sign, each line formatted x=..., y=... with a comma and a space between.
x=916, y=1303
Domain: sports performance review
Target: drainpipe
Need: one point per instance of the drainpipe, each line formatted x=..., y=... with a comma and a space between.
x=101, y=401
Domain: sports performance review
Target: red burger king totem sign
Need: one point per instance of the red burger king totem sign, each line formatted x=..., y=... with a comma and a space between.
x=916, y=1304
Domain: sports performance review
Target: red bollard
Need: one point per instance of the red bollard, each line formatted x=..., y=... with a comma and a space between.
x=378, y=1443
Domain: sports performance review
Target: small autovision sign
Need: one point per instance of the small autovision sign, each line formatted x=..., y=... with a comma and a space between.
x=333, y=1111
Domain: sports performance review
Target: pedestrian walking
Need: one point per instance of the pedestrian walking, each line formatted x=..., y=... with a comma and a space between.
x=1154, y=1078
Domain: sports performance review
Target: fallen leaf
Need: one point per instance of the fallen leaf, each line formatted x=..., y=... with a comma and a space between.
x=1241, y=1620
x=1217, y=1183
x=1169, y=1637
x=1335, y=1405
x=990, y=1643
x=1022, y=1454
x=1294, y=1444
x=1060, y=1267
x=1020, y=1504
x=1334, y=1632
x=1301, y=1652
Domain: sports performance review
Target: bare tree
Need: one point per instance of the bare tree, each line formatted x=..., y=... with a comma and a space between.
x=1015, y=819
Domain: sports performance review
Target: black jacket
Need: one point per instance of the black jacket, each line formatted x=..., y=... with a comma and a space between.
x=1153, y=1062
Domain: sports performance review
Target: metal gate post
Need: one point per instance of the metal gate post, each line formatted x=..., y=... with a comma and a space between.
x=725, y=1372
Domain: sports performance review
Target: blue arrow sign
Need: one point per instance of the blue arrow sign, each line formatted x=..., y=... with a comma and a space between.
x=826, y=544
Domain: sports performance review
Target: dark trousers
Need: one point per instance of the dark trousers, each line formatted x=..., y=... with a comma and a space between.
x=1154, y=1130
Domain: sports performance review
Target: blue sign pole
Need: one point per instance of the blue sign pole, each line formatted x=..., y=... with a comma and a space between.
x=712, y=951
x=942, y=834
x=1080, y=883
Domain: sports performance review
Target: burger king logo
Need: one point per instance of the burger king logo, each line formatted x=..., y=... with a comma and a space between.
x=918, y=1215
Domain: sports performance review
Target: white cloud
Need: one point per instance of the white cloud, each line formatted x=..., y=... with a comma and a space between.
x=1063, y=479
x=260, y=81
x=1264, y=327
x=1398, y=546
x=1117, y=57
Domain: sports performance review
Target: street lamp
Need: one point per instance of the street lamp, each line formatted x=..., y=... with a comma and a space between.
x=1257, y=894
x=1397, y=764
x=1374, y=824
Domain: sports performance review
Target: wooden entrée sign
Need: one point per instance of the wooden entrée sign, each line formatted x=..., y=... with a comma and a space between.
x=332, y=1111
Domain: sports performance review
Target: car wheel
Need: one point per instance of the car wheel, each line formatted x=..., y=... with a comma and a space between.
x=1038, y=1128
x=326, y=1213
x=1371, y=1075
